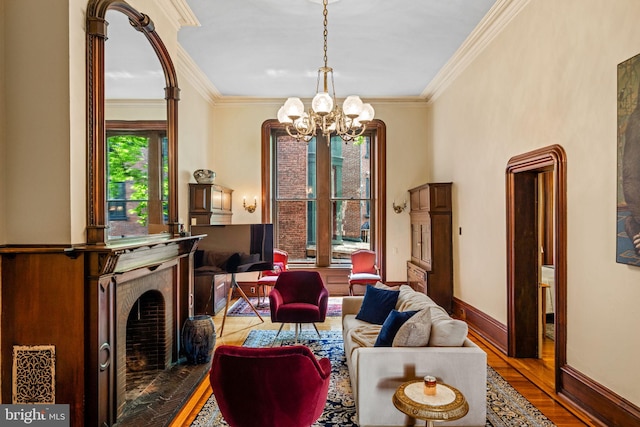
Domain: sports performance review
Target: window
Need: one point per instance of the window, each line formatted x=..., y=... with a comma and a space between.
x=116, y=202
x=325, y=200
x=137, y=176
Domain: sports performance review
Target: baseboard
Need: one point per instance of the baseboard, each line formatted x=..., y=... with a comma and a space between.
x=600, y=402
x=602, y=405
x=486, y=326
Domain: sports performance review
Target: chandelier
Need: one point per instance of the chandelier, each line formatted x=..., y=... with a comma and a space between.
x=348, y=122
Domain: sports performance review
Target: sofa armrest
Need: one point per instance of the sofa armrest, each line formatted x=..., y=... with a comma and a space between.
x=351, y=305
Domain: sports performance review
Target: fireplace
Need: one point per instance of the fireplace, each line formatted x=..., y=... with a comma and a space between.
x=144, y=336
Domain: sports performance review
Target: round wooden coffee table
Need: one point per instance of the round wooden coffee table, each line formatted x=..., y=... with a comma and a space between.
x=446, y=405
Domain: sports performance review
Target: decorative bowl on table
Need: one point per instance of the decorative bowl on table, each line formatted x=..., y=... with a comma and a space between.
x=204, y=176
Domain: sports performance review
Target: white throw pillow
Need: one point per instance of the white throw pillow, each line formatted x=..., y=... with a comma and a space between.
x=414, y=332
x=445, y=331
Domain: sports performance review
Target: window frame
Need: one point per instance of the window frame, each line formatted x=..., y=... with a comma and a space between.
x=156, y=131
x=378, y=189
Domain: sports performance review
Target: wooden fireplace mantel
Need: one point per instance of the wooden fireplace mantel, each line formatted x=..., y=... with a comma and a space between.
x=65, y=297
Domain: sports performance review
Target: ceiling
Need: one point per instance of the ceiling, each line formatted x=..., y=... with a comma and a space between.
x=273, y=48
x=377, y=48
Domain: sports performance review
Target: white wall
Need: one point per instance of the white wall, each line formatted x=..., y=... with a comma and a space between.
x=236, y=160
x=548, y=78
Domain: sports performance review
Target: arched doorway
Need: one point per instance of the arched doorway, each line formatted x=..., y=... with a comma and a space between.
x=523, y=180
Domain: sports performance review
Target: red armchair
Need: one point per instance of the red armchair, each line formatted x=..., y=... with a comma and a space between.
x=298, y=297
x=268, y=278
x=269, y=387
x=364, y=270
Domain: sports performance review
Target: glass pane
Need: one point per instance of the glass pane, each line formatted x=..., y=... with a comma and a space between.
x=295, y=230
x=351, y=229
x=350, y=169
x=296, y=168
x=128, y=185
x=134, y=222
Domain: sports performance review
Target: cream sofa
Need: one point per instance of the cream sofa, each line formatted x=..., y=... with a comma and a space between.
x=376, y=372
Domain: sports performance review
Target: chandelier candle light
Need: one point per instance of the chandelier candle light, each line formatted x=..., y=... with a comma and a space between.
x=348, y=122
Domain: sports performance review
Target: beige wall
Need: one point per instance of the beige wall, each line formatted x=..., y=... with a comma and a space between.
x=3, y=156
x=195, y=141
x=236, y=160
x=44, y=123
x=548, y=78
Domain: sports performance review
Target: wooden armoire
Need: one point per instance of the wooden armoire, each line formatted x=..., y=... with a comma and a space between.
x=430, y=269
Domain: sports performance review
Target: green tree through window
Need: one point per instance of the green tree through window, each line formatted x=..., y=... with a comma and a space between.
x=128, y=164
x=137, y=177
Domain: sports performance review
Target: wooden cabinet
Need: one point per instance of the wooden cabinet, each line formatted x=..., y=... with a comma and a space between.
x=209, y=204
x=210, y=292
x=416, y=277
x=430, y=269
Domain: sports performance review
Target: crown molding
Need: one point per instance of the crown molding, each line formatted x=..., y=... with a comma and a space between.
x=493, y=23
x=246, y=100
x=187, y=68
x=179, y=13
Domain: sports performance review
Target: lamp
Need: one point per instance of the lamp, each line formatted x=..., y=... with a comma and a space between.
x=348, y=122
x=250, y=208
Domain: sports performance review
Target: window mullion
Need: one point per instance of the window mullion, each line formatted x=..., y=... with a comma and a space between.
x=323, y=183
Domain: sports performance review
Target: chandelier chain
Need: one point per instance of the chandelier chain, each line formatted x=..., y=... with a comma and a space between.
x=326, y=32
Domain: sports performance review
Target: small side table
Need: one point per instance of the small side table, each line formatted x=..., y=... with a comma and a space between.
x=446, y=405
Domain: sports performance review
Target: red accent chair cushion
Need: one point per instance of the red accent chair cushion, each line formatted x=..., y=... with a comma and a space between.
x=299, y=297
x=269, y=387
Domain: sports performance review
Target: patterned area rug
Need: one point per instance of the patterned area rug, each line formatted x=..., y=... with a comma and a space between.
x=241, y=309
x=505, y=406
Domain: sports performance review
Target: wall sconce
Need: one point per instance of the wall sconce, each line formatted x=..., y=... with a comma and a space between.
x=250, y=208
x=399, y=208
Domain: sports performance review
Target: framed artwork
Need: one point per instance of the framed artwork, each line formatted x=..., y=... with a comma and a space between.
x=628, y=177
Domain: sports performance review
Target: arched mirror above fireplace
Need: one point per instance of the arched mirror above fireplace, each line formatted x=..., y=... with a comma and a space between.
x=130, y=79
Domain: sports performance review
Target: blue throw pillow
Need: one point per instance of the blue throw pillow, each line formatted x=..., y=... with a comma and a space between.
x=390, y=327
x=377, y=304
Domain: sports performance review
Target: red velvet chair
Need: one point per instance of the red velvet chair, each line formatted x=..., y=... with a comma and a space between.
x=364, y=270
x=269, y=387
x=268, y=278
x=298, y=297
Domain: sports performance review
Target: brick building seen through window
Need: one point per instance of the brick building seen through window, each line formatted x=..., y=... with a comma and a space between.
x=323, y=196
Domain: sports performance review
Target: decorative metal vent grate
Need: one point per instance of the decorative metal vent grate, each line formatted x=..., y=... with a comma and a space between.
x=34, y=374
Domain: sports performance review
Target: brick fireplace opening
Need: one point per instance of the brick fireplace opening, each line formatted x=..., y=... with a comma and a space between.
x=147, y=344
x=144, y=335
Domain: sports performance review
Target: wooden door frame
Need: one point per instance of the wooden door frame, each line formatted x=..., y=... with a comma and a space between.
x=544, y=159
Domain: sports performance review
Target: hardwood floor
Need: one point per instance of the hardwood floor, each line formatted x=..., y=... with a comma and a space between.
x=518, y=372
